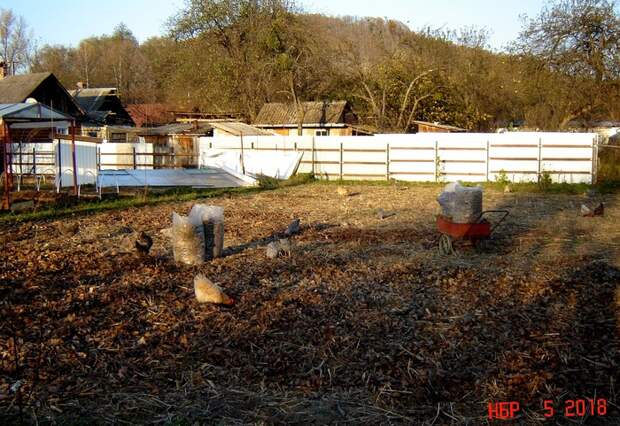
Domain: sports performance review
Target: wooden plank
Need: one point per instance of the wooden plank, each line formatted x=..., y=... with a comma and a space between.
x=412, y=161
x=462, y=174
x=363, y=150
x=514, y=158
x=567, y=146
x=382, y=175
x=365, y=162
x=413, y=173
x=461, y=149
x=321, y=162
x=464, y=161
x=412, y=148
x=565, y=159
x=514, y=146
x=78, y=138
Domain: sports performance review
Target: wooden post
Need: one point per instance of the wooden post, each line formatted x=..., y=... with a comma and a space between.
x=242, y=162
x=539, y=157
x=387, y=161
x=34, y=162
x=6, y=196
x=133, y=155
x=74, y=159
x=98, y=158
x=436, y=161
x=487, y=162
x=594, y=172
x=59, y=165
x=312, y=152
x=341, y=159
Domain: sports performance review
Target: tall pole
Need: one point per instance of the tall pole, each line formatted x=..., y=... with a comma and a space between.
x=74, y=158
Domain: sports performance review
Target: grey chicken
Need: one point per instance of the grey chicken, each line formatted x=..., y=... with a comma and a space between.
x=143, y=243
x=293, y=228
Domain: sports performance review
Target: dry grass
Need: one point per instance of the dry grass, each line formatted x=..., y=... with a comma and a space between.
x=364, y=323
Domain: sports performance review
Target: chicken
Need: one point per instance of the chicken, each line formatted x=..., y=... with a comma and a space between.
x=279, y=248
x=342, y=191
x=293, y=228
x=586, y=211
x=143, y=243
x=382, y=214
x=68, y=229
x=273, y=249
x=208, y=292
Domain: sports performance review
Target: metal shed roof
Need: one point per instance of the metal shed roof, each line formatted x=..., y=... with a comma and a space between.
x=30, y=112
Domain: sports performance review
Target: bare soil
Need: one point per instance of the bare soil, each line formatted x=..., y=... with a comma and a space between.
x=365, y=322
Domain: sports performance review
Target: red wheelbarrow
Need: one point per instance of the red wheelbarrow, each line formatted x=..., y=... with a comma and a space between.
x=481, y=229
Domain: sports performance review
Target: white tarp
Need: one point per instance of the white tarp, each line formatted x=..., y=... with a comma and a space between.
x=279, y=165
x=203, y=178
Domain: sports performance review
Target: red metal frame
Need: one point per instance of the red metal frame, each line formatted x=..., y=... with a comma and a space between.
x=470, y=231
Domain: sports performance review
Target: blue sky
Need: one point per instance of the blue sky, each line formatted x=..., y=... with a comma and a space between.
x=68, y=21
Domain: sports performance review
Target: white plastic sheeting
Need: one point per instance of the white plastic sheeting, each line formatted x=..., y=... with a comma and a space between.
x=469, y=157
x=198, y=178
x=279, y=165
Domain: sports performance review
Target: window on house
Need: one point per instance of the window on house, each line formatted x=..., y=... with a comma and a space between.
x=321, y=132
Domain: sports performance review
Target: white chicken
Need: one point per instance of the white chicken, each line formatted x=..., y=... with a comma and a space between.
x=208, y=292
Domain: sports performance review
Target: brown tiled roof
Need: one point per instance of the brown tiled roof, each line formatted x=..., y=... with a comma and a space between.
x=281, y=114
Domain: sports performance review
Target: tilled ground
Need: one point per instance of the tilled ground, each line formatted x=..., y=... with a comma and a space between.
x=365, y=322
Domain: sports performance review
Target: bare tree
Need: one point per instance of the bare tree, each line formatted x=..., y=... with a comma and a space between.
x=15, y=41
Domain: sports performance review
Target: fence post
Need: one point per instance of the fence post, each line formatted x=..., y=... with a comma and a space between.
x=174, y=158
x=436, y=161
x=59, y=165
x=341, y=160
x=34, y=163
x=133, y=155
x=313, y=170
x=98, y=158
x=539, y=157
x=387, y=161
x=488, y=155
x=594, y=173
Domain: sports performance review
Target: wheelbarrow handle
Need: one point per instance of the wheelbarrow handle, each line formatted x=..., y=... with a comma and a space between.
x=504, y=214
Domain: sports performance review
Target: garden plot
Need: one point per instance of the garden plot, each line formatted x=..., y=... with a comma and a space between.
x=364, y=322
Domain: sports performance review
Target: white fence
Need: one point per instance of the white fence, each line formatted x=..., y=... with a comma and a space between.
x=474, y=157
x=56, y=159
x=117, y=156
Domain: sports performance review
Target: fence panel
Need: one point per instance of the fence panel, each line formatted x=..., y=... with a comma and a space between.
x=473, y=157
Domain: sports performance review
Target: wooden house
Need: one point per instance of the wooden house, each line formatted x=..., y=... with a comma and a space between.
x=102, y=107
x=42, y=87
x=328, y=118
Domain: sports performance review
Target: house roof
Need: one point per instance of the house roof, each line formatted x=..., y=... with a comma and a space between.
x=18, y=88
x=92, y=99
x=237, y=128
x=145, y=114
x=317, y=113
x=26, y=111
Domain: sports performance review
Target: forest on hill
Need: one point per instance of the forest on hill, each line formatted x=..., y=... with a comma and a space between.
x=235, y=55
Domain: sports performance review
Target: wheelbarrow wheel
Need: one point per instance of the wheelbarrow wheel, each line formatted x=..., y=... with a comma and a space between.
x=445, y=245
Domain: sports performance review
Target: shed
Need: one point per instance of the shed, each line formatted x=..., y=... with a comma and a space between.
x=237, y=128
x=18, y=121
x=44, y=88
x=326, y=118
x=428, y=127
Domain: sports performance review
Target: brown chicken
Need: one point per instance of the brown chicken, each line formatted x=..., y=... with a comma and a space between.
x=208, y=292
